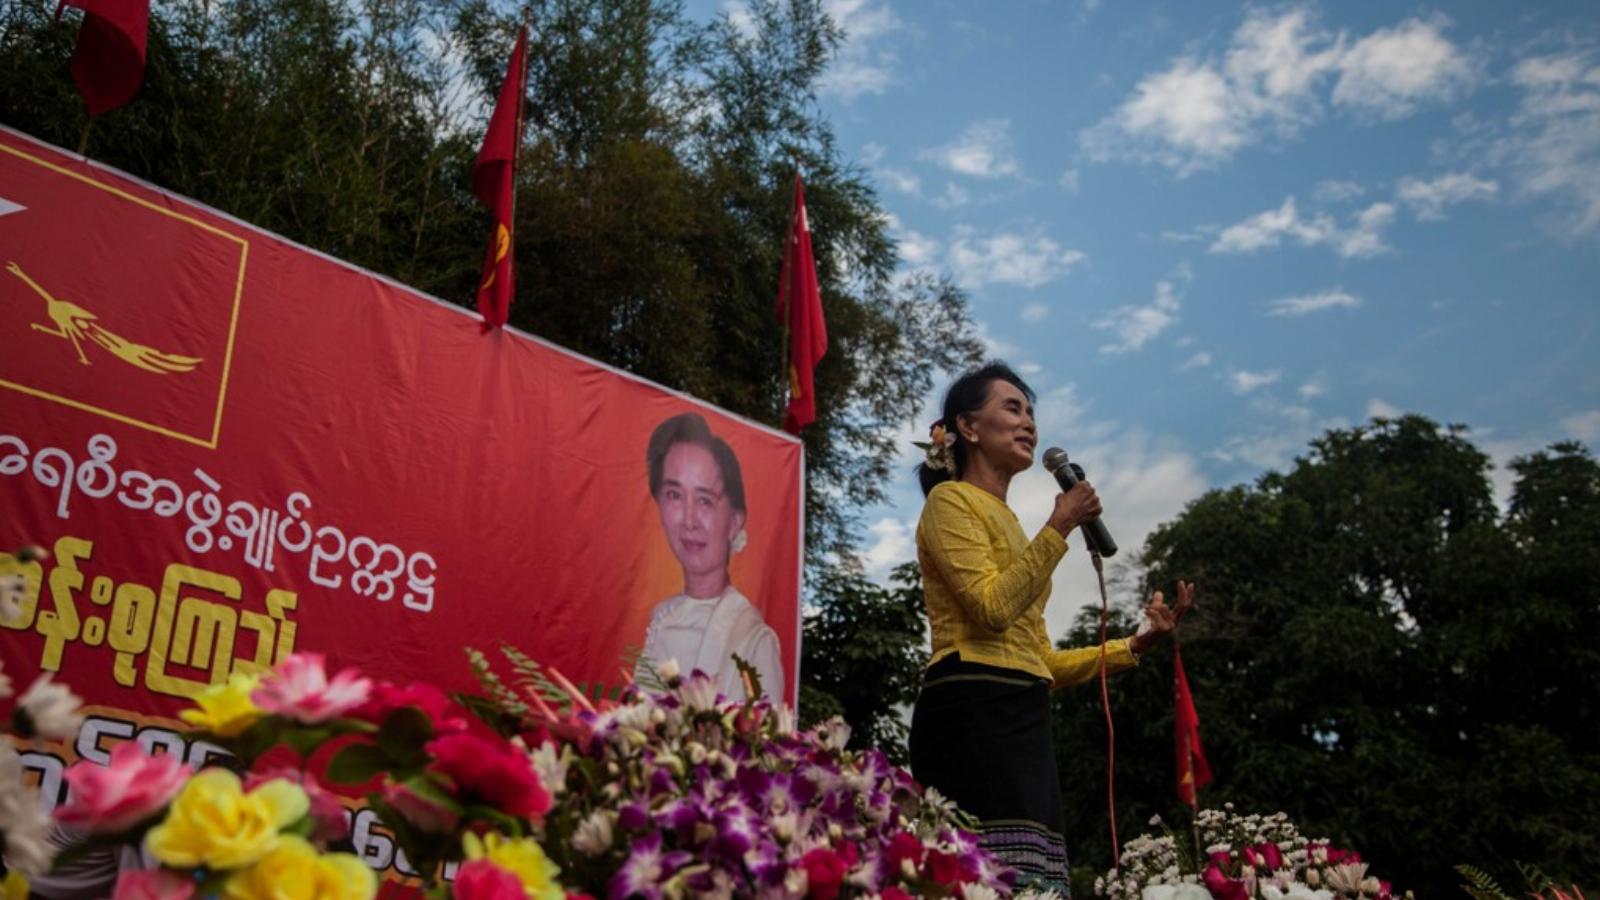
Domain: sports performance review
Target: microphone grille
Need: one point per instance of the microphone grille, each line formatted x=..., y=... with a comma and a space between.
x=1054, y=458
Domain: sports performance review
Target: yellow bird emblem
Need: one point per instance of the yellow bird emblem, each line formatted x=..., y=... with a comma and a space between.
x=75, y=323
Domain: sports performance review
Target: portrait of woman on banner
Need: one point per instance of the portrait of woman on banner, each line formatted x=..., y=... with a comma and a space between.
x=698, y=488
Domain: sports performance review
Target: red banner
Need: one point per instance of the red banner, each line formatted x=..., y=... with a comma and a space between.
x=234, y=447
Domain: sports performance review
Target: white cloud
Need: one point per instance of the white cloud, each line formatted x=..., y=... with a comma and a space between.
x=862, y=64
x=1069, y=181
x=1393, y=70
x=891, y=542
x=1199, y=112
x=1009, y=258
x=917, y=249
x=1269, y=228
x=1136, y=326
x=1382, y=409
x=1035, y=312
x=1584, y=426
x=1337, y=191
x=1428, y=199
x=1244, y=382
x=1553, y=148
x=900, y=180
x=954, y=195
x=1310, y=303
x=1198, y=361
x=982, y=151
x=1316, y=387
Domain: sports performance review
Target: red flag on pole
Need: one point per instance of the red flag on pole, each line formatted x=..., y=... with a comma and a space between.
x=108, y=61
x=1194, y=772
x=494, y=183
x=800, y=308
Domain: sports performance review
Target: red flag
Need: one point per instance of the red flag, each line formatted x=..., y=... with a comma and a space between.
x=1194, y=772
x=494, y=183
x=108, y=61
x=800, y=306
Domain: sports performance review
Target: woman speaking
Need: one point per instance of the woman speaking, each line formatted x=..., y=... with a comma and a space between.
x=980, y=732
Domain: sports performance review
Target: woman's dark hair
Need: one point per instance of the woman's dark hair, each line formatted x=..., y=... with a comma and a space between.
x=690, y=428
x=967, y=395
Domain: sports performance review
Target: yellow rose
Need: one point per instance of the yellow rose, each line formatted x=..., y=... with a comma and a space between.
x=522, y=857
x=225, y=709
x=294, y=870
x=214, y=823
x=15, y=886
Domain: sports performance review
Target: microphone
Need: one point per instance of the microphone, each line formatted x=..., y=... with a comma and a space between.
x=1068, y=474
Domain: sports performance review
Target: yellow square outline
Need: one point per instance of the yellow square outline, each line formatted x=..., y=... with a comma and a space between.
x=233, y=323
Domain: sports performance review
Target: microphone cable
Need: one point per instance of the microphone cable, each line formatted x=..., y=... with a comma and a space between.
x=1105, y=704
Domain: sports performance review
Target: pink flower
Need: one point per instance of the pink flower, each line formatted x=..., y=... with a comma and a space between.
x=480, y=879
x=328, y=823
x=446, y=716
x=1265, y=856
x=115, y=797
x=422, y=804
x=894, y=893
x=824, y=873
x=491, y=771
x=153, y=884
x=299, y=689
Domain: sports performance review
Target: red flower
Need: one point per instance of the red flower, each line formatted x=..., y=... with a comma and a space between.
x=944, y=868
x=480, y=879
x=1265, y=856
x=903, y=846
x=894, y=893
x=1220, y=885
x=491, y=771
x=446, y=716
x=824, y=873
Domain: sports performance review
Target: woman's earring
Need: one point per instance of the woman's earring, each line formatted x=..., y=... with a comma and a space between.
x=738, y=542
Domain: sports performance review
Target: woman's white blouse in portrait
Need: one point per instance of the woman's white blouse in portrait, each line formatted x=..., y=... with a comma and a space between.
x=705, y=632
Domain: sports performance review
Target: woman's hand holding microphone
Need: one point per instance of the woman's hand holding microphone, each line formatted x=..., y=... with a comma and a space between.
x=1075, y=507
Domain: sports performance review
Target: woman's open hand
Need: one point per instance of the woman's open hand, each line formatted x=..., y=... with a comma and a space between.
x=1161, y=618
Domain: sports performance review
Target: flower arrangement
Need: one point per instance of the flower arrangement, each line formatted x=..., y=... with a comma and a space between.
x=46, y=710
x=534, y=790
x=684, y=792
x=1239, y=857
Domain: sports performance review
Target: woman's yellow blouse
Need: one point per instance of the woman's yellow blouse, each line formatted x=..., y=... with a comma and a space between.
x=986, y=586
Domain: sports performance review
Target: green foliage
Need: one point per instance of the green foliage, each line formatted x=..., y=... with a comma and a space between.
x=653, y=189
x=1378, y=653
x=863, y=652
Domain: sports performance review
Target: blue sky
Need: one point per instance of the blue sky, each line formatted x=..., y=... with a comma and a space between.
x=1209, y=232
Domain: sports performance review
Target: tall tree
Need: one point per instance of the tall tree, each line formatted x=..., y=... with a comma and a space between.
x=1380, y=654
x=653, y=189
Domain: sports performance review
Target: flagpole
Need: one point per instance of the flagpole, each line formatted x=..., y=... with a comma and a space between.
x=516, y=148
x=785, y=277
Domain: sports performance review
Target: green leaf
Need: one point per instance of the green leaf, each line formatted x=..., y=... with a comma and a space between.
x=402, y=737
x=357, y=764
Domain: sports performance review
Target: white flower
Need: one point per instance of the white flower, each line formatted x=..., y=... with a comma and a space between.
x=551, y=765
x=668, y=670
x=593, y=836
x=1159, y=892
x=834, y=733
x=12, y=589
x=1191, y=892
x=1345, y=878
x=979, y=892
x=1370, y=885
x=51, y=710
x=23, y=821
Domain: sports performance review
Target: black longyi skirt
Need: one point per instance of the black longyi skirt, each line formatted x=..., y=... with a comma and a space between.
x=980, y=735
